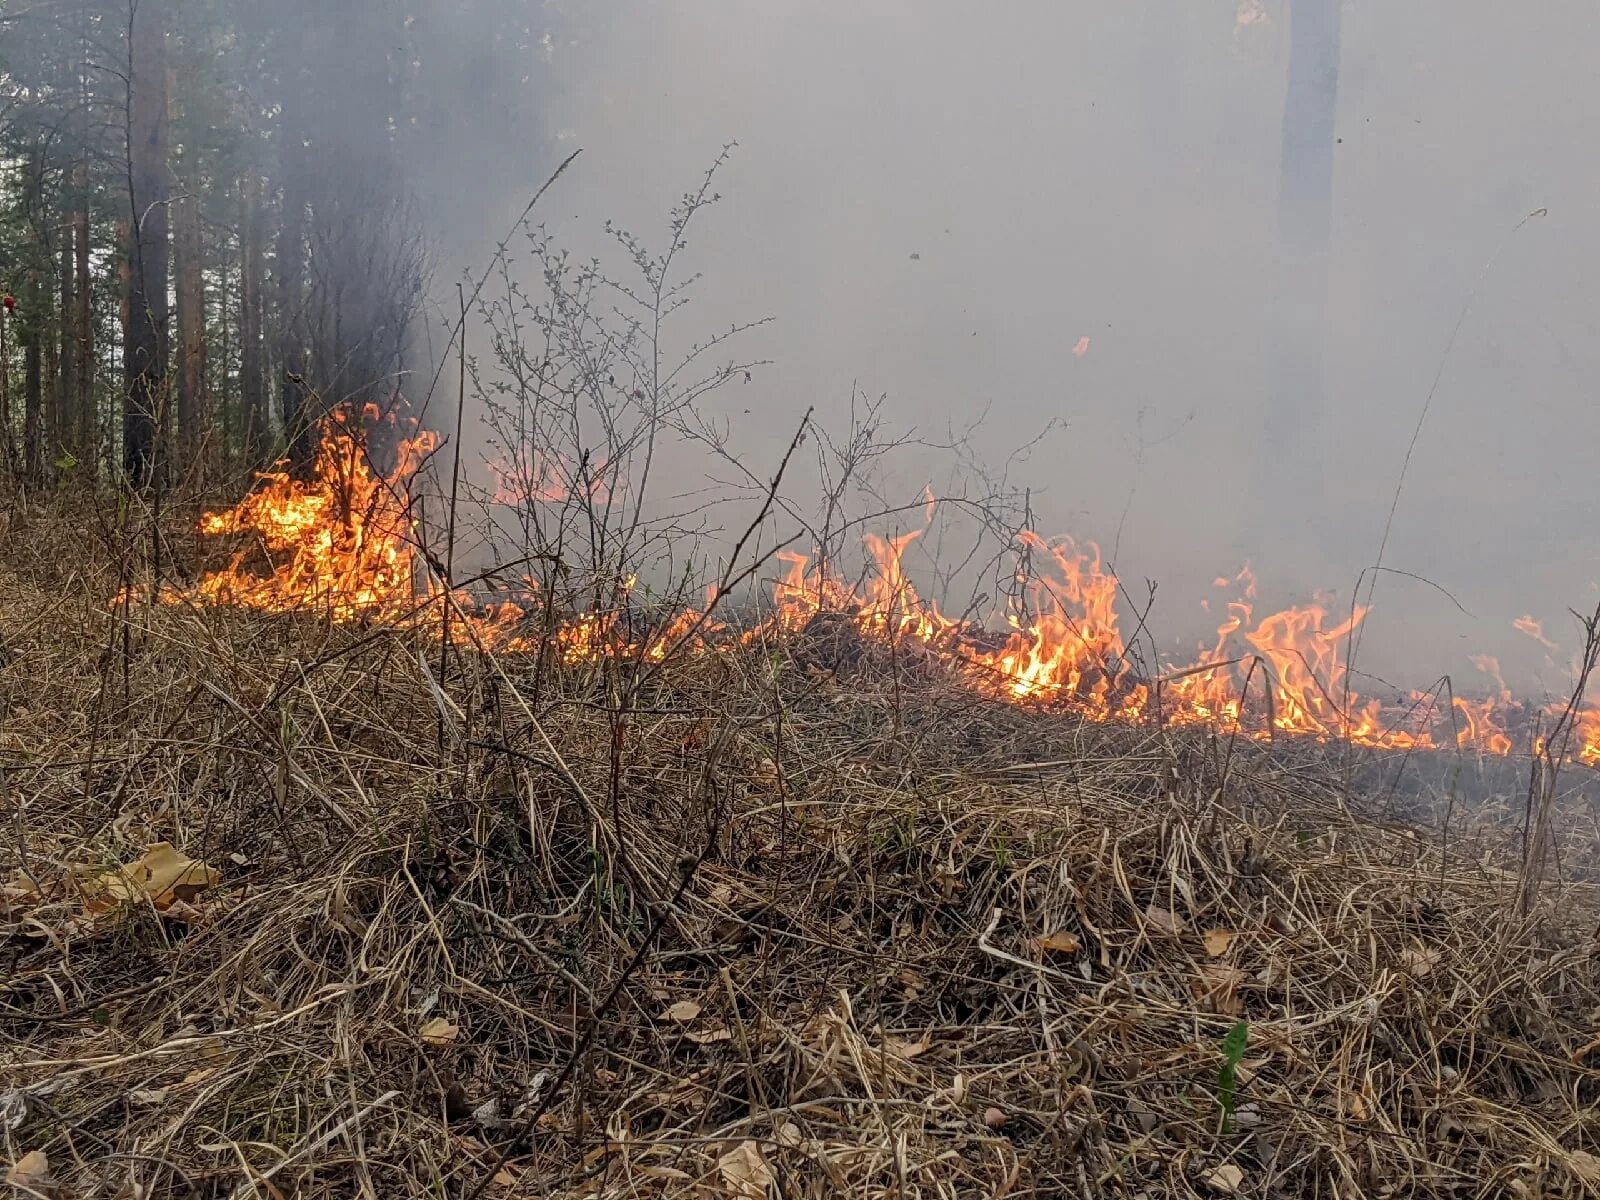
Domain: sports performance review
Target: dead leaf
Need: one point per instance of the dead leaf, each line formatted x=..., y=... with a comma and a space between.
x=994, y=1118
x=683, y=1011
x=31, y=1171
x=161, y=875
x=708, y=1037
x=1218, y=941
x=1583, y=1051
x=1163, y=921
x=1224, y=1180
x=745, y=1173
x=1062, y=941
x=1217, y=984
x=788, y=1135
x=437, y=1031
x=1419, y=961
x=904, y=1049
x=504, y=1178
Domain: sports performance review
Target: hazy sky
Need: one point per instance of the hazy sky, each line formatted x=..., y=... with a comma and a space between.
x=938, y=200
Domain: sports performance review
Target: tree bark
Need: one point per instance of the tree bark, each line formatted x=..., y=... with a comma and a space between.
x=32, y=376
x=88, y=418
x=34, y=303
x=1295, y=332
x=291, y=300
x=193, y=409
x=66, y=394
x=144, y=353
x=252, y=272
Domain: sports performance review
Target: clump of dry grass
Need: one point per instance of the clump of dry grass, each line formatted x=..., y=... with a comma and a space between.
x=929, y=944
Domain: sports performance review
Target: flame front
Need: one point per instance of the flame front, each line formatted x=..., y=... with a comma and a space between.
x=339, y=540
x=342, y=541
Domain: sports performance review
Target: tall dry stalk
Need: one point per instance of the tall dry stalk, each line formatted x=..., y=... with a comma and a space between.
x=1549, y=753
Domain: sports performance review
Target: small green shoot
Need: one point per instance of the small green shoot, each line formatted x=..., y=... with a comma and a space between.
x=1233, y=1047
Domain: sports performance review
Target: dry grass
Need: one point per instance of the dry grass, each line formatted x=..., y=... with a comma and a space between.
x=938, y=947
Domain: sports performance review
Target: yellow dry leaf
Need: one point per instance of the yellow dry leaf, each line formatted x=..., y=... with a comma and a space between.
x=904, y=1049
x=1062, y=941
x=438, y=1031
x=1218, y=941
x=1224, y=1180
x=744, y=1172
x=683, y=1011
x=1419, y=961
x=31, y=1171
x=161, y=875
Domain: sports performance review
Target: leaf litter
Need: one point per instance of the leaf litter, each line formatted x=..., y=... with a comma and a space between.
x=866, y=1024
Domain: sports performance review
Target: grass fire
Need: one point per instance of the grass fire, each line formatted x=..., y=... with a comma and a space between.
x=825, y=695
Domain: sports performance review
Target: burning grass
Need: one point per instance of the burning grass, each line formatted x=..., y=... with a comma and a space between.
x=926, y=942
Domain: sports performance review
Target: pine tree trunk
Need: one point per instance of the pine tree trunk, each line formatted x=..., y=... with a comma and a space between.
x=252, y=271
x=193, y=410
x=291, y=298
x=88, y=419
x=291, y=258
x=66, y=394
x=144, y=351
x=1295, y=333
x=33, y=376
x=34, y=305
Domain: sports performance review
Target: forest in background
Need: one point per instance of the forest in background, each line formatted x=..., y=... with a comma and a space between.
x=212, y=224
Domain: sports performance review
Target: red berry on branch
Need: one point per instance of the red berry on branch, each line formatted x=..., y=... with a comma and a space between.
x=10, y=302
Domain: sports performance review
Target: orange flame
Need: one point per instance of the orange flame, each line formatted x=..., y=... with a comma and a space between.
x=339, y=540
x=343, y=541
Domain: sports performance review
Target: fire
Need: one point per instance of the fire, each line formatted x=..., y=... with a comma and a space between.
x=339, y=540
x=343, y=541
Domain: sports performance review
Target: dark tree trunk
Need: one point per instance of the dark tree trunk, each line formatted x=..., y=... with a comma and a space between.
x=35, y=301
x=144, y=350
x=88, y=419
x=295, y=170
x=33, y=378
x=252, y=271
x=193, y=409
x=65, y=399
x=1295, y=331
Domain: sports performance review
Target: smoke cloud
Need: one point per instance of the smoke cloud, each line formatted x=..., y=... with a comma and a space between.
x=1080, y=213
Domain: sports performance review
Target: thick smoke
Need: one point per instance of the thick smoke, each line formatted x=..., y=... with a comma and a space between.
x=940, y=202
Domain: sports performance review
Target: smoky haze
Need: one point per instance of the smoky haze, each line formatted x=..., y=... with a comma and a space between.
x=939, y=203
